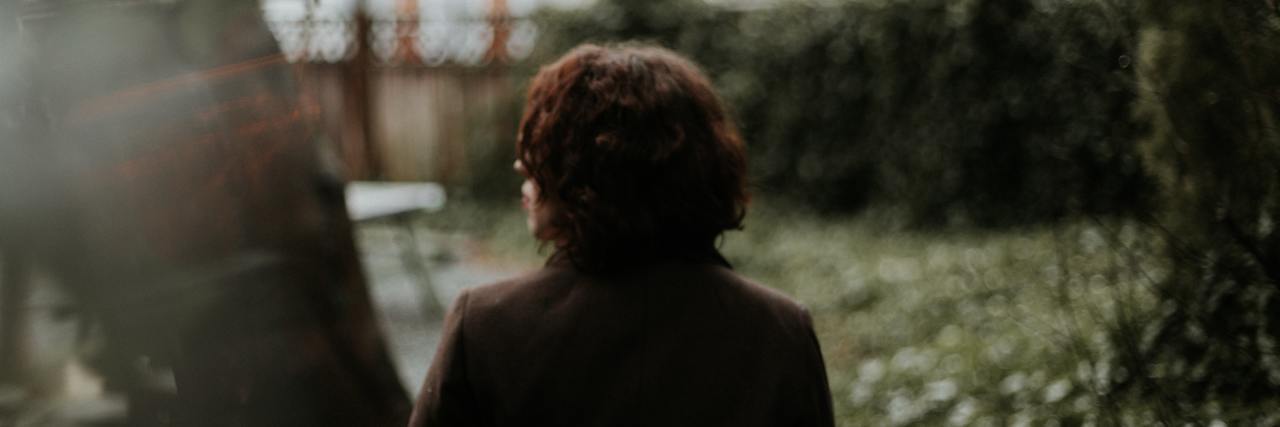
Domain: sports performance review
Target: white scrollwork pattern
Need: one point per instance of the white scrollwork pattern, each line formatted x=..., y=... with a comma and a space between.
x=466, y=42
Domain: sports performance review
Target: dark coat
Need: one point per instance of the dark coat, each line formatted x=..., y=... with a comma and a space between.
x=677, y=343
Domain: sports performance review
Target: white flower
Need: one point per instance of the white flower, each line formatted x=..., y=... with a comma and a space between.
x=871, y=371
x=902, y=410
x=1091, y=240
x=1084, y=371
x=1056, y=391
x=1102, y=376
x=1013, y=383
x=861, y=393
x=904, y=359
x=908, y=359
x=963, y=412
x=1019, y=420
x=940, y=391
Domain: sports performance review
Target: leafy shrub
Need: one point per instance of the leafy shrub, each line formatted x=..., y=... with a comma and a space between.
x=981, y=111
x=1212, y=93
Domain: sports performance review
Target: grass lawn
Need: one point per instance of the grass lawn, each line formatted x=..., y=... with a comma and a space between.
x=959, y=327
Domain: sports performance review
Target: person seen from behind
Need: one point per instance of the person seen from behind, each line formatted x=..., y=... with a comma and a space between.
x=633, y=170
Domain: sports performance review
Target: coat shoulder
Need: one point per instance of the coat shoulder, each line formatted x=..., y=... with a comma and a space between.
x=513, y=290
x=784, y=307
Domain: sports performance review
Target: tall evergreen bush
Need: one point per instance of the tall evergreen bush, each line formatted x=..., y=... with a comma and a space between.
x=1211, y=90
x=985, y=112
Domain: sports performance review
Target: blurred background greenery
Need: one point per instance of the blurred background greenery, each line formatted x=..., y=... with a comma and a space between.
x=1002, y=212
x=948, y=113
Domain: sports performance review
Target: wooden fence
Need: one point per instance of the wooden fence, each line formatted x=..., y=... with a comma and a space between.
x=412, y=122
x=411, y=100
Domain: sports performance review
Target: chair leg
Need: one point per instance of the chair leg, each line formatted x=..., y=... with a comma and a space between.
x=412, y=258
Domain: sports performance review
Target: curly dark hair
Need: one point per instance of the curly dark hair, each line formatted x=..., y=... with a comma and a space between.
x=635, y=151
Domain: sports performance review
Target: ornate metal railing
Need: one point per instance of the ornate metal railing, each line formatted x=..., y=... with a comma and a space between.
x=471, y=42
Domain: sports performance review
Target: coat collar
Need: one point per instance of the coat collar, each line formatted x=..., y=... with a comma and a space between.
x=709, y=255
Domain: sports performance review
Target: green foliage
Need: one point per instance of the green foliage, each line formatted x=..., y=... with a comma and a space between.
x=997, y=112
x=954, y=327
x=981, y=111
x=490, y=153
x=1212, y=93
x=958, y=327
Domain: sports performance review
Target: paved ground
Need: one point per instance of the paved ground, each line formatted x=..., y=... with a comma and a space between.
x=451, y=263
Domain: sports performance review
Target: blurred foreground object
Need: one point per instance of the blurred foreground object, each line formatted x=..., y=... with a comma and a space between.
x=173, y=185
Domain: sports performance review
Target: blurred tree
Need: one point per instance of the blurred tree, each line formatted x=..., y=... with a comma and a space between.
x=1212, y=93
x=987, y=112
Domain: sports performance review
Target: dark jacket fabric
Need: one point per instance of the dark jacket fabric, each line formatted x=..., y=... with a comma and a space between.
x=674, y=343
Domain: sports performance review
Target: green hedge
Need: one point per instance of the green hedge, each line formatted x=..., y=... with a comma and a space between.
x=986, y=112
x=1211, y=79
